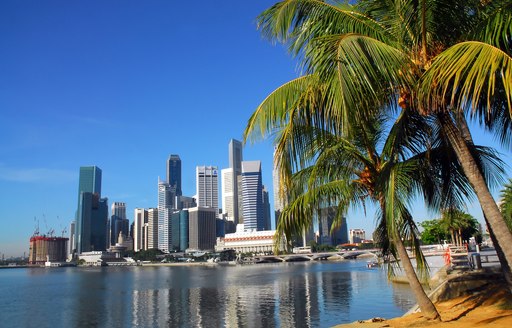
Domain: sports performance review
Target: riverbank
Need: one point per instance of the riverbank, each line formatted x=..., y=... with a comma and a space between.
x=156, y=264
x=480, y=299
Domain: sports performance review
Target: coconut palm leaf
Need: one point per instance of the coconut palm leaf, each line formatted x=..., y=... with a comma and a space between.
x=495, y=27
x=297, y=22
x=468, y=75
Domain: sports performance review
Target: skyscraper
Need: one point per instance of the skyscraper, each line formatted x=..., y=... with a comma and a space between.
x=174, y=178
x=329, y=236
x=174, y=173
x=267, y=225
x=184, y=229
x=152, y=228
x=90, y=180
x=92, y=212
x=235, y=156
x=93, y=218
x=140, y=229
x=71, y=243
x=228, y=195
x=232, y=183
x=207, y=187
x=278, y=199
x=164, y=216
x=202, y=228
x=252, y=195
x=118, y=222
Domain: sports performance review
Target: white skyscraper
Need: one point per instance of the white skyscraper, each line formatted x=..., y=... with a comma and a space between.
x=232, y=184
x=252, y=195
x=207, y=187
x=164, y=215
x=140, y=220
x=228, y=194
x=71, y=243
x=152, y=228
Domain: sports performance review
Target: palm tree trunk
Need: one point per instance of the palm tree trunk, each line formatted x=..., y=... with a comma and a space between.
x=454, y=240
x=477, y=181
x=507, y=273
x=427, y=308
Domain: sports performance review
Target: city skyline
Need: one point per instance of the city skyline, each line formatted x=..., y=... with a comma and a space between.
x=123, y=86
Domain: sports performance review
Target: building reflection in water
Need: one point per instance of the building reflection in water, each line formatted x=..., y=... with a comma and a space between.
x=266, y=295
x=90, y=308
x=294, y=300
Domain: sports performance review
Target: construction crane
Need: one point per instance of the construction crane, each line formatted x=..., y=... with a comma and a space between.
x=36, y=228
x=64, y=231
x=44, y=220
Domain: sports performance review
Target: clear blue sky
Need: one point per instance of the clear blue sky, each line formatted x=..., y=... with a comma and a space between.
x=121, y=85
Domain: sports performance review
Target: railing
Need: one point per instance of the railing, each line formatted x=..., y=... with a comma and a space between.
x=457, y=257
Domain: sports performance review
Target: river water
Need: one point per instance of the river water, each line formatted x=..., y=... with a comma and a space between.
x=302, y=294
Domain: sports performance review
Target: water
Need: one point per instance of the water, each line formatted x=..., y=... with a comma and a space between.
x=263, y=295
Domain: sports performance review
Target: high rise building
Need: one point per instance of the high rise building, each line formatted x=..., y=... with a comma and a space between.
x=140, y=229
x=152, y=228
x=93, y=219
x=183, y=202
x=267, y=225
x=90, y=180
x=174, y=173
x=47, y=249
x=278, y=201
x=118, y=222
x=252, y=195
x=207, y=187
x=329, y=236
x=92, y=212
x=175, y=230
x=184, y=231
x=164, y=216
x=235, y=163
x=228, y=195
x=201, y=228
x=71, y=243
x=356, y=235
x=235, y=155
x=174, y=178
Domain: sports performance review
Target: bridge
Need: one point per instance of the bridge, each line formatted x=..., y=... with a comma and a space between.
x=302, y=257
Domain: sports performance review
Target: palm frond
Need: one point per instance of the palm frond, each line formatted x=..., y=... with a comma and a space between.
x=297, y=22
x=496, y=26
x=274, y=111
x=467, y=75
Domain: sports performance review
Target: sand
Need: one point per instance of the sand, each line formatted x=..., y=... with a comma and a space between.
x=489, y=308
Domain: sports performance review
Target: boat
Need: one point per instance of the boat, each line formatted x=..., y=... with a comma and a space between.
x=372, y=264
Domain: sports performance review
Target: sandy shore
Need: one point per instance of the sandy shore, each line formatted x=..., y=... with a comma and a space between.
x=488, y=307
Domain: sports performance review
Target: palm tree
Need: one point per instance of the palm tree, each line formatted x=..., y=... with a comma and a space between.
x=349, y=171
x=444, y=58
x=449, y=223
x=506, y=203
x=363, y=165
x=457, y=223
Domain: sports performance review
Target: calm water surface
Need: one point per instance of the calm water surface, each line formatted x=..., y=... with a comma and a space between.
x=264, y=295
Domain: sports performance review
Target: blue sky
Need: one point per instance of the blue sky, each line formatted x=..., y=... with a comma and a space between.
x=121, y=85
